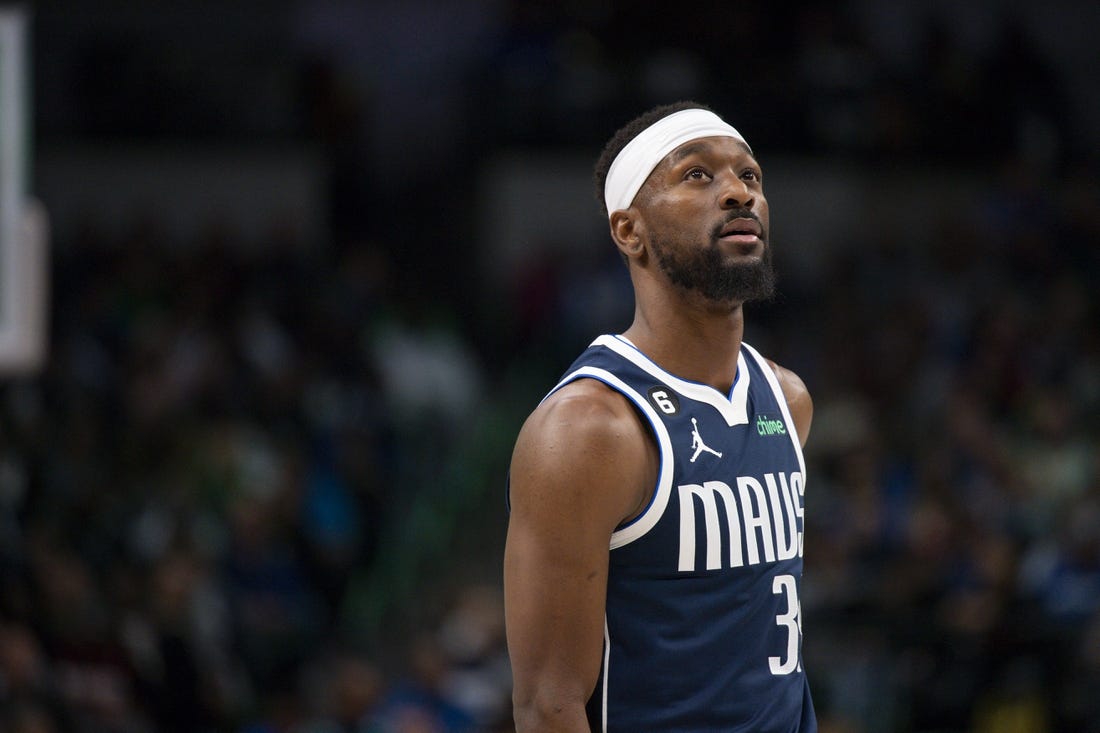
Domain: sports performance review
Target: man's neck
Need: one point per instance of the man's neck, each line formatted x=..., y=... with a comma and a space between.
x=694, y=341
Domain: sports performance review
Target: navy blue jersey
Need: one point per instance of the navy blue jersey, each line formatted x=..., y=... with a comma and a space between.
x=703, y=627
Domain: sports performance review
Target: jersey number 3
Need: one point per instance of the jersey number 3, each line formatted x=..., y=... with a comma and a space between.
x=792, y=619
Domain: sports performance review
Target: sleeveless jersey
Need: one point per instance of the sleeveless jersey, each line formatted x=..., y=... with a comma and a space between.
x=703, y=630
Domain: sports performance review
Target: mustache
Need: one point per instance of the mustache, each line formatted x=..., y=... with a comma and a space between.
x=740, y=214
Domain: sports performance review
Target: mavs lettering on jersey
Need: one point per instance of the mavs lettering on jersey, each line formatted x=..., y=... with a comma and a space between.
x=766, y=533
x=703, y=621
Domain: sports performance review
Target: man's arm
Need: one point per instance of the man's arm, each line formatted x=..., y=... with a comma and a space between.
x=798, y=400
x=582, y=464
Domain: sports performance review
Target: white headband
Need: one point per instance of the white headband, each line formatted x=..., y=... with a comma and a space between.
x=641, y=155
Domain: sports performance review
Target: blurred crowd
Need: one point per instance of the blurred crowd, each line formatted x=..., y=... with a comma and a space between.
x=259, y=488
x=953, y=552
x=193, y=481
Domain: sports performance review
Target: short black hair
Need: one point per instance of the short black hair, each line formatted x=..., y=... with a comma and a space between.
x=628, y=132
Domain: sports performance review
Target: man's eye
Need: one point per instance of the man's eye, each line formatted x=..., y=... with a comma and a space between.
x=697, y=174
x=750, y=175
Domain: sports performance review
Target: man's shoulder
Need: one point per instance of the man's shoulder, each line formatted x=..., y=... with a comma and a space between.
x=792, y=384
x=585, y=439
x=585, y=407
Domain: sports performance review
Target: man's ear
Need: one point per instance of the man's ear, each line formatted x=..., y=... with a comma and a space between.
x=626, y=230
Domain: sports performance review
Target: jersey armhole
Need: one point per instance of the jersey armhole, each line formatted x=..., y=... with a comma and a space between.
x=781, y=400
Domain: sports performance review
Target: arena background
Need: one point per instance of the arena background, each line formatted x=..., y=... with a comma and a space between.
x=313, y=261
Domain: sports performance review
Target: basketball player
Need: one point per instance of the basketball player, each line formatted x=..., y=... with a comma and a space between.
x=654, y=549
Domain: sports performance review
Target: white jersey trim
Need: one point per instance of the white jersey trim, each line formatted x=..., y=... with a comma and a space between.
x=649, y=517
x=733, y=408
x=606, y=674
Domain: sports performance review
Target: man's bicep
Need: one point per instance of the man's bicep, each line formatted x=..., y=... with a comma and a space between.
x=556, y=551
x=555, y=584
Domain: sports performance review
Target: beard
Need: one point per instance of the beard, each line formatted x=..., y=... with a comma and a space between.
x=707, y=272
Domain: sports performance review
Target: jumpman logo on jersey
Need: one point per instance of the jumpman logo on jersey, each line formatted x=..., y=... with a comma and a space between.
x=697, y=442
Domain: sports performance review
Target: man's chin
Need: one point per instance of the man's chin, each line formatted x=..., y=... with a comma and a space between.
x=753, y=280
x=725, y=278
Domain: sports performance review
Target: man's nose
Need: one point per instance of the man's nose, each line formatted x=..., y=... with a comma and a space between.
x=736, y=194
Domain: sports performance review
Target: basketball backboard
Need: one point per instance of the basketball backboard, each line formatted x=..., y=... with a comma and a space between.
x=23, y=233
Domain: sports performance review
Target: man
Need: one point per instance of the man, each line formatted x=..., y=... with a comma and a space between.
x=654, y=546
